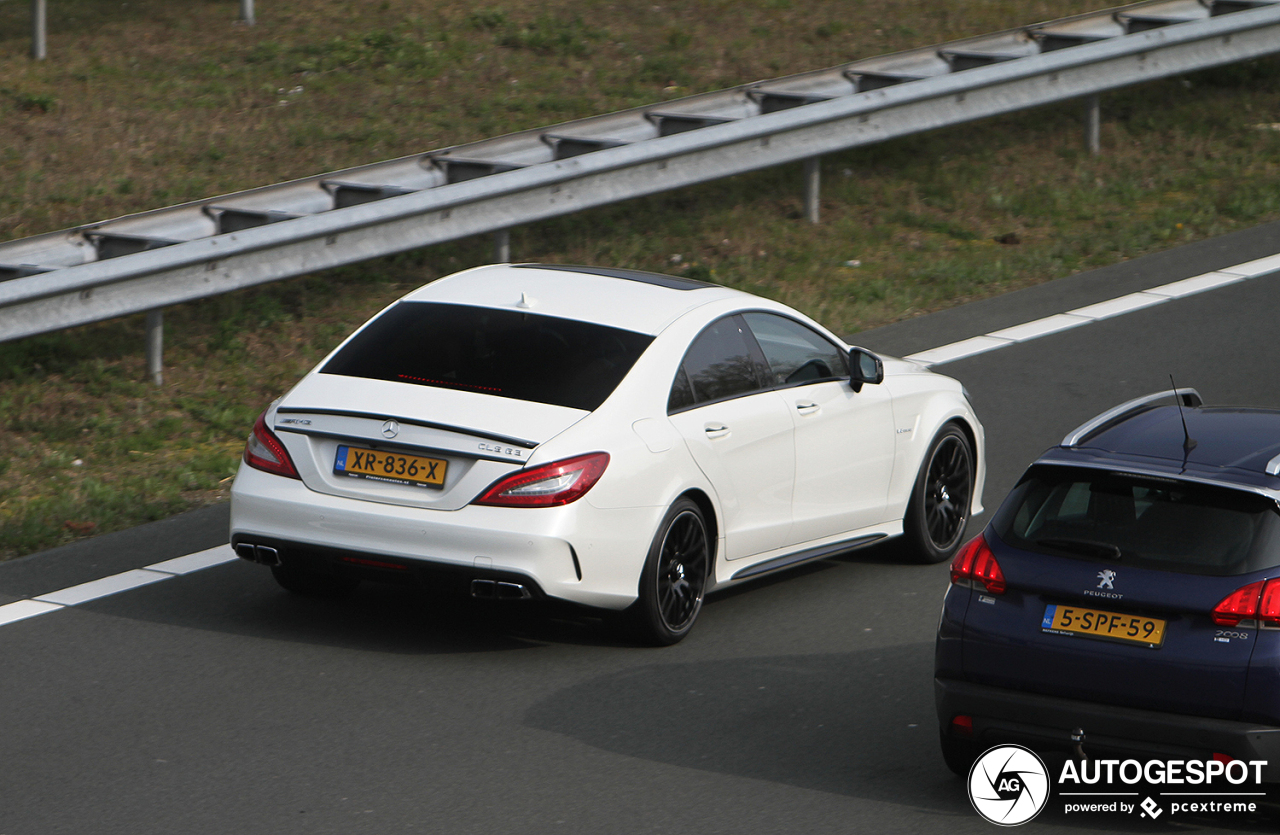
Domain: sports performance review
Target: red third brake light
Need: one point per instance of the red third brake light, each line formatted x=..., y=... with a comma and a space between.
x=265, y=452
x=547, y=485
x=975, y=563
x=1256, y=601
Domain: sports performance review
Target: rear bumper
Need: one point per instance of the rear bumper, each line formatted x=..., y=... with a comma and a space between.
x=1046, y=723
x=576, y=552
x=358, y=565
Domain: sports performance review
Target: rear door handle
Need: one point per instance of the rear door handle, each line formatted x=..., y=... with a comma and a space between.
x=716, y=430
x=807, y=407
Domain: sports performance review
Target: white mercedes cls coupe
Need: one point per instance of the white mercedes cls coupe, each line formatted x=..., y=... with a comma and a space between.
x=612, y=438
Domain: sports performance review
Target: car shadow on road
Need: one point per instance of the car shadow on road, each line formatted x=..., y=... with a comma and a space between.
x=842, y=723
x=242, y=599
x=859, y=724
x=239, y=598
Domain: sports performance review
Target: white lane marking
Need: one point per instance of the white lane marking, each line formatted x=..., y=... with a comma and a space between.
x=1041, y=327
x=1191, y=286
x=197, y=561
x=1253, y=269
x=114, y=584
x=1118, y=306
x=23, y=609
x=960, y=350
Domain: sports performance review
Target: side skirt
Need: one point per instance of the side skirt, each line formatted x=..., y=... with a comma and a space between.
x=789, y=560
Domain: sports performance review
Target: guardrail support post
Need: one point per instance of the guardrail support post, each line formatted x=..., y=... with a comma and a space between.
x=155, y=345
x=812, y=184
x=39, y=20
x=1093, y=124
x=502, y=246
x=246, y=12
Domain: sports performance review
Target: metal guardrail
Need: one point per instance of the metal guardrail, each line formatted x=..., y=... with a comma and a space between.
x=150, y=260
x=40, y=25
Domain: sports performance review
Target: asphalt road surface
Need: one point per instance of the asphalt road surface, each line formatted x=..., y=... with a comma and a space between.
x=215, y=702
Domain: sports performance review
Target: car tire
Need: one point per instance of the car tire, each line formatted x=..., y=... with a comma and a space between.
x=958, y=754
x=674, y=577
x=941, y=498
x=312, y=583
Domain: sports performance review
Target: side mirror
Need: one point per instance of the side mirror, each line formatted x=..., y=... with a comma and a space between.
x=864, y=367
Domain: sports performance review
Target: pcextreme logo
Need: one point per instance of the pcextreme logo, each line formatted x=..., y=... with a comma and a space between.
x=1009, y=785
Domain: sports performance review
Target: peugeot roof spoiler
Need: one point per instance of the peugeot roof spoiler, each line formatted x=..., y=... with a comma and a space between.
x=1190, y=398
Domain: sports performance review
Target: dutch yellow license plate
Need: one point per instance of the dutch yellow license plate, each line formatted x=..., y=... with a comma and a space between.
x=393, y=467
x=1096, y=623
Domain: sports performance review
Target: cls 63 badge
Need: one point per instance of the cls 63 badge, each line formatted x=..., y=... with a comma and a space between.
x=498, y=449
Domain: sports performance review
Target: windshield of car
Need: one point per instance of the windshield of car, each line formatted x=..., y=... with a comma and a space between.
x=506, y=353
x=1129, y=519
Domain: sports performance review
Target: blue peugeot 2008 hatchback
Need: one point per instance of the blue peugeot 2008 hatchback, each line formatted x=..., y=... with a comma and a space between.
x=1125, y=598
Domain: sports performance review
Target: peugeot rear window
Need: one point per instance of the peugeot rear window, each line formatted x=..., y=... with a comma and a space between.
x=1129, y=519
x=506, y=353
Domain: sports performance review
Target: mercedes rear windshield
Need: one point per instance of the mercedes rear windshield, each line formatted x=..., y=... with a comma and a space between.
x=505, y=353
x=1129, y=519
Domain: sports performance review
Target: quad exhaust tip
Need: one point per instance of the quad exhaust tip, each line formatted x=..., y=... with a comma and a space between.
x=498, y=590
x=262, y=554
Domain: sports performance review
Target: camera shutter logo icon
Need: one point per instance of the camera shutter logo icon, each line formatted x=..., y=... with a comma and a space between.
x=1009, y=785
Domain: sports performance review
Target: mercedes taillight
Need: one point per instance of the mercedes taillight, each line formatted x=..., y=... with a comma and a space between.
x=265, y=452
x=547, y=485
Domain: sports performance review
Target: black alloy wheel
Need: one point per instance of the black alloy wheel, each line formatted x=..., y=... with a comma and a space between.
x=674, y=577
x=941, y=498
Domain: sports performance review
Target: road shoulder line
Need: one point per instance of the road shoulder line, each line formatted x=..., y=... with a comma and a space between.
x=1098, y=311
x=115, y=583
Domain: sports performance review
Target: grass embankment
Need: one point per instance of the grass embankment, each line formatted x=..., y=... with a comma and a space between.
x=154, y=103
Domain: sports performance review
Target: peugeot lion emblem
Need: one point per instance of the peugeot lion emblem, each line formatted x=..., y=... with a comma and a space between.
x=1106, y=578
x=390, y=429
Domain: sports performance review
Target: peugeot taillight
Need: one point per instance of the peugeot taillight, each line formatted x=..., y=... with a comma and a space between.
x=975, y=563
x=547, y=485
x=1258, y=601
x=265, y=452
x=1269, y=610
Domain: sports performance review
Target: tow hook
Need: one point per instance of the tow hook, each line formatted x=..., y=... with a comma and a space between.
x=1077, y=738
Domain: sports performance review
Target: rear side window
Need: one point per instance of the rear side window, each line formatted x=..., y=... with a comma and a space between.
x=505, y=353
x=1131, y=520
x=681, y=393
x=719, y=364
